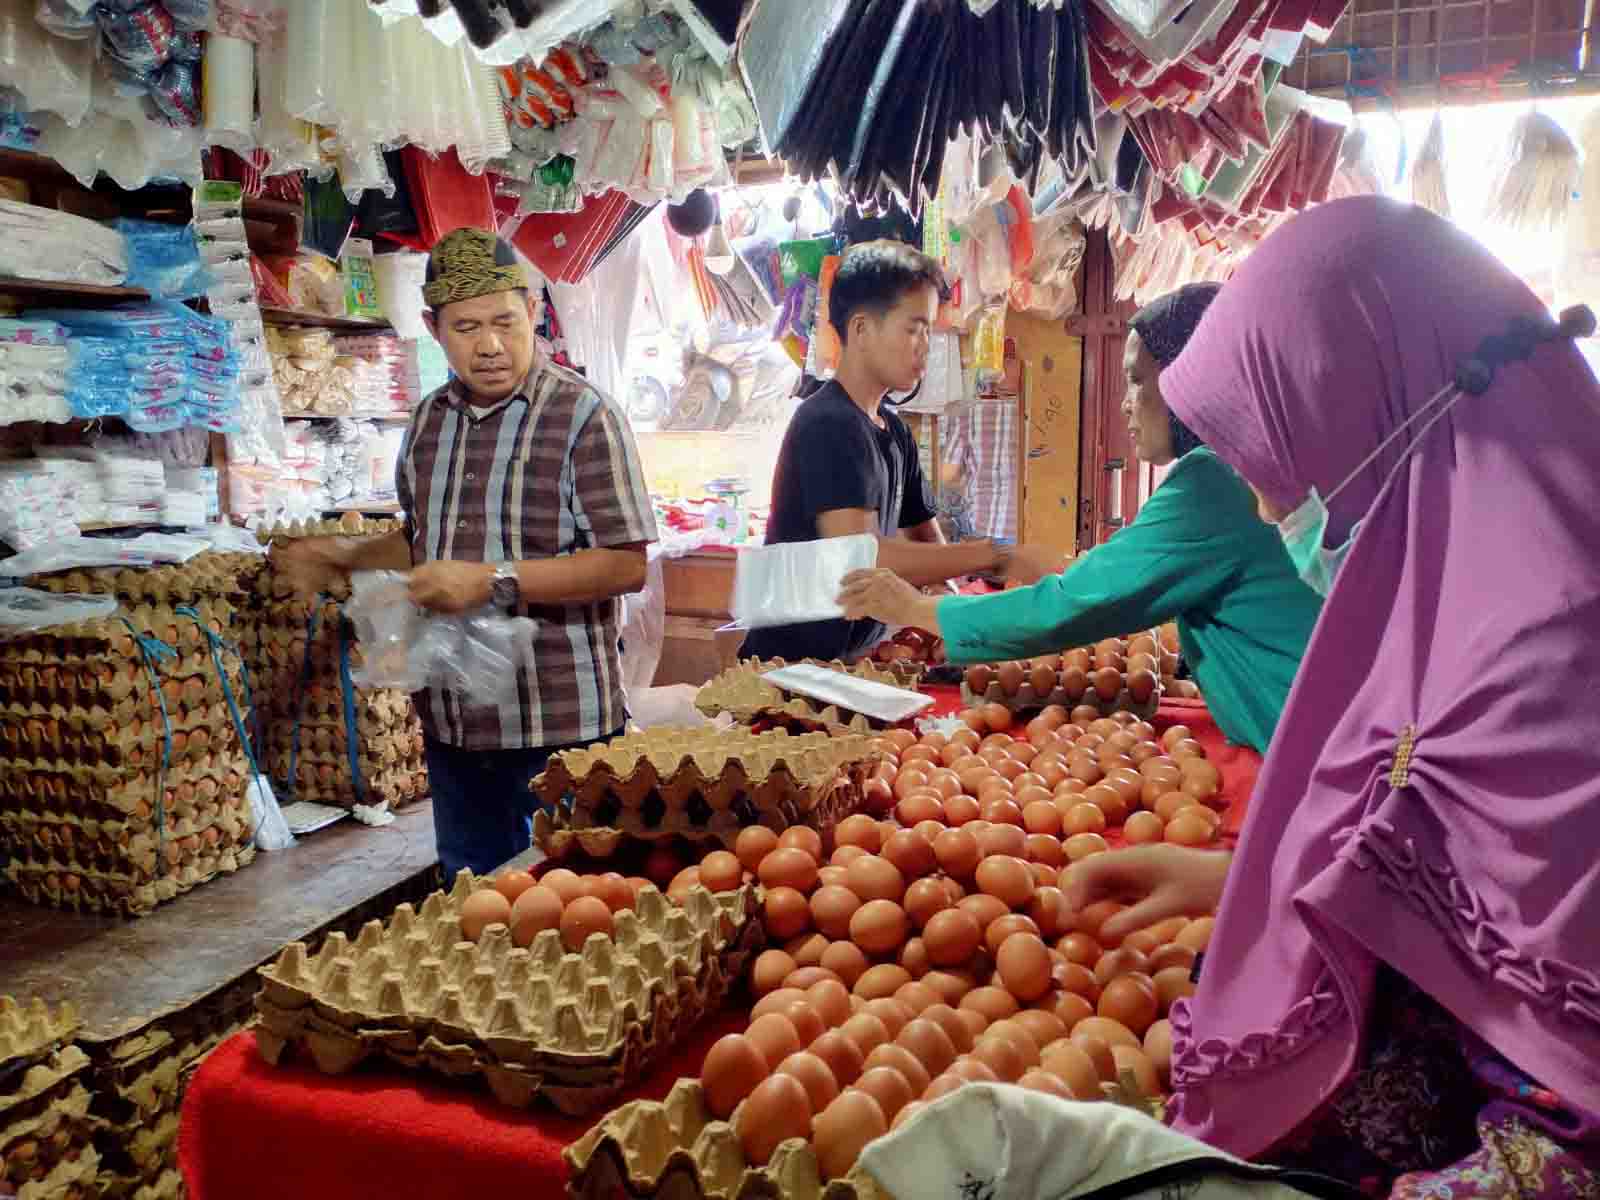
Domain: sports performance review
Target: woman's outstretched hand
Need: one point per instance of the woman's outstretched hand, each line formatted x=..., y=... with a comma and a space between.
x=1156, y=882
x=881, y=595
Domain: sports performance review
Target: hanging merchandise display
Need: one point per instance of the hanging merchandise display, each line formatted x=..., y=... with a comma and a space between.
x=1428, y=172
x=1019, y=73
x=1535, y=178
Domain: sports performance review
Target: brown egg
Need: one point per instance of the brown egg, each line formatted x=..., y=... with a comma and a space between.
x=997, y=717
x=779, y=1109
x=616, y=891
x=806, y=948
x=1007, y=879
x=1072, y=1067
x=1024, y=966
x=891, y=1012
x=846, y=960
x=1081, y=845
x=866, y=1031
x=1099, y=1054
x=916, y=996
x=1047, y=911
x=831, y=1001
x=776, y=1001
x=971, y=1069
x=879, y=927
x=1003, y=927
x=1010, y=676
x=721, y=871
x=983, y=908
x=1171, y=955
x=808, y=1023
x=878, y=796
x=910, y=853
x=1185, y=749
x=845, y=855
x=994, y=1003
x=831, y=876
x=975, y=1021
x=919, y=805
x=940, y=1088
x=563, y=883
x=1084, y=818
x=951, y=985
x=684, y=882
x=733, y=1069
x=929, y=1043
x=832, y=908
x=948, y=1019
x=485, y=907
x=882, y=980
x=785, y=912
x=582, y=918
x=923, y=899
x=1080, y=948
x=1130, y=1000
x=1043, y=1027
x=814, y=1075
x=511, y=885
x=1076, y=978
x=753, y=844
x=960, y=810
x=1001, y=1055
x=1158, y=1049
x=888, y=1087
x=874, y=878
x=1171, y=984
x=843, y=1129
x=1067, y=1007
x=1133, y=1061
x=897, y=1058
x=1000, y=841
x=1187, y=830
x=1174, y=735
x=843, y=1057
x=775, y=1036
x=957, y=853
x=771, y=968
x=913, y=957
x=1142, y=940
x=979, y=678
x=1112, y=1033
x=1196, y=934
x=1142, y=828
x=803, y=838
x=536, y=910
x=789, y=867
x=1120, y=961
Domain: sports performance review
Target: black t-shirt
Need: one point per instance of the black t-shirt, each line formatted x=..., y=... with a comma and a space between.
x=834, y=457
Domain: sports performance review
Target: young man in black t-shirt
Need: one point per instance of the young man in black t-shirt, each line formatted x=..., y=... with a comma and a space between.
x=849, y=465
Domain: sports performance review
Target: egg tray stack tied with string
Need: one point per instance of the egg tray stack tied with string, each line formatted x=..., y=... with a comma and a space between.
x=46, y=1131
x=577, y=1027
x=303, y=700
x=90, y=816
x=701, y=784
x=744, y=694
x=1116, y=675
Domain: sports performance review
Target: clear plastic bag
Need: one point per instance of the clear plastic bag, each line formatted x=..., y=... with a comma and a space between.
x=644, y=629
x=163, y=259
x=476, y=656
x=272, y=829
x=28, y=610
x=795, y=582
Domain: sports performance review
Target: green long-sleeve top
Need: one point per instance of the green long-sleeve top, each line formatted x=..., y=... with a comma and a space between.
x=1196, y=552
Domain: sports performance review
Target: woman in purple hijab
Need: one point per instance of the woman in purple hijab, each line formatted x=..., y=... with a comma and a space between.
x=1403, y=986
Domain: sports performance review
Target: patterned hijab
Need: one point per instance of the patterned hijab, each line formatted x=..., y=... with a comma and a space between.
x=1165, y=326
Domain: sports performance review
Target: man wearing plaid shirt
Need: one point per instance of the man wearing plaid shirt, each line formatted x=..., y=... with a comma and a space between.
x=521, y=488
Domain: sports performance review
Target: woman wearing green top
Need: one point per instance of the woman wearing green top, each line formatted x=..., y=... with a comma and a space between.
x=1196, y=552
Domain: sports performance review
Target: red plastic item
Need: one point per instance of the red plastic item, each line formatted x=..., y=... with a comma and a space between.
x=565, y=246
x=446, y=195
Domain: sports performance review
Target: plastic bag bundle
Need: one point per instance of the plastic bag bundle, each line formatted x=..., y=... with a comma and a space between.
x=41, y=243
x=51, y=73
x=35, y=362
x=163, y=259
x=476, y=656
x=1428, y=174
x=35, y=507
x=1536, y=177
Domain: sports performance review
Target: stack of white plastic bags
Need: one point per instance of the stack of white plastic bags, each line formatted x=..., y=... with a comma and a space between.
x=384, y=370
x=35, y=362
x=35, y=507
x=41, y=243
x=159, y=366
x=108, y=487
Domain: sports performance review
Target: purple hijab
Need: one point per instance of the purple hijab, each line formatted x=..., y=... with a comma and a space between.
x=1468, y=610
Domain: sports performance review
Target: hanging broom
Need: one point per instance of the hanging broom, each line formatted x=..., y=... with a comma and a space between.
x=1533, y=186
x=1428, y=188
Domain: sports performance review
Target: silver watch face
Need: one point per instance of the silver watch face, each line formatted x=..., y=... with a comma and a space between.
x=504, y=590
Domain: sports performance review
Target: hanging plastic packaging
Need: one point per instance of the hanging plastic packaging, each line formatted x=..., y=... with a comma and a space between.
x=795, y=582
x=163, y=259
x=52, y=73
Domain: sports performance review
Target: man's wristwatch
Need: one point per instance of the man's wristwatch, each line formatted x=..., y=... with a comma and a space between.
x=504, y=590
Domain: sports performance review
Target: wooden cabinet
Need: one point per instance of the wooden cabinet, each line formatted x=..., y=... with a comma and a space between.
x=699, y=591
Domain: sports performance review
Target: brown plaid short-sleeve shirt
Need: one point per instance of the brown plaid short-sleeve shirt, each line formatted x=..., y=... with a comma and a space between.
x=551, y=470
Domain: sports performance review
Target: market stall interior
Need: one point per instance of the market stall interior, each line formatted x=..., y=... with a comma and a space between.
x=792, y=907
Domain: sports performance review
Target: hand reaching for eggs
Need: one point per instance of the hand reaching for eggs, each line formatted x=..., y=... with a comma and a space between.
x=1160, y=881
x=882, y=595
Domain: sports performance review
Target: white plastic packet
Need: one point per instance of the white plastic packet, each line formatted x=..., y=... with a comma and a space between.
x=865, y=696
x=796, y=582
x=272, y=828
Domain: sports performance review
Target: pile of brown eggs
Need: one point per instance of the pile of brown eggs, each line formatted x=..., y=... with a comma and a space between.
x=1063, y=787
x=577, y=905
x=915, y=959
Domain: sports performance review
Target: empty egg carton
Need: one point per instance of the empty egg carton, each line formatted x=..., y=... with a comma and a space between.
x=674, y=1147
x=744, y=693
x=578, y=1028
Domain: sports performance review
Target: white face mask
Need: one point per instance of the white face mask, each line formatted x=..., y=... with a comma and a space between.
x=1304, y=529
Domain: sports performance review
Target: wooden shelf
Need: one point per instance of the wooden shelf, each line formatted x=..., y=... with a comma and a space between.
x=68, y=293
x=289, y=316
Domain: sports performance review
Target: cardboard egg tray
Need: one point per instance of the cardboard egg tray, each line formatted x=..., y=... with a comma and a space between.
x=301, y=698
x=561, y=842
x=674, y=1147
x=744, y=693
x=668, y=782
x=577, y=1028
x=1025, y=700
x=45, y=1126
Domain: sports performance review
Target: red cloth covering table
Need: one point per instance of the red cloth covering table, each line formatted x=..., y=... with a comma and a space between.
x=252, y=1131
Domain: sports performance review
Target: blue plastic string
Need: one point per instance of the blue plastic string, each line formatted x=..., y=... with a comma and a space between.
x=300, y=693
x=348, y=694
x=153, y=650
x=217, y=646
